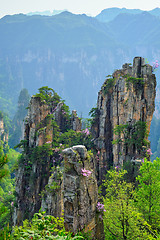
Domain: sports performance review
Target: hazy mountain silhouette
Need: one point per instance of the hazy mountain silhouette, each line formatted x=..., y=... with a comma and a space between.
x=70, y=53
x=109, y=14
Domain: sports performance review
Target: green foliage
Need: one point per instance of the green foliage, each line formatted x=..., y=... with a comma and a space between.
x=3, y=161
x=132, y=134
x=94, y=112
x=51, y=98
x=132, y=171
x=6, y=121
x=121, y=218
x=138, y=83
x=48, y=95
x=66, y=118
x=42, y=227
x=41, y=153
x=23, y=144
x=148, y=192
x=108, y=85
x=13, y=157
x=72, y=138
x=54, y=181
x=7, y=183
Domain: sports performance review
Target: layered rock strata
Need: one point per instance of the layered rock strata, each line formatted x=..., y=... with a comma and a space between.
x=126, y=100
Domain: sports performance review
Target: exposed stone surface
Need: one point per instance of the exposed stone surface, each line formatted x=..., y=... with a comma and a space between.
x=76, y=122
x=36, y=185
x=3, y=132
x=33, y=177
x=123, y=104
x=80, y=192
x=52, y=201
x=37, y=112
x=121, y=101
x=76, y=194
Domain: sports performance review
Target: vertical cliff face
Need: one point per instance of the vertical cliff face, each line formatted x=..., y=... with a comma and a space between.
x=46, y=118
x=76, y=122
x=3, y=131
x=74, y=191
x=50, y=180
x=53, y=181
x=80, y=189
x=33, y=174
x=125, y=108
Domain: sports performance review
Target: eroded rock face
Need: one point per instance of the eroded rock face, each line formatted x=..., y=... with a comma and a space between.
x=76, y=122
x=36, y=184
x=3, y=131
x=127, y=97
x=75, y=194
x=33, y=174
x=80, y=191
x=37, y=112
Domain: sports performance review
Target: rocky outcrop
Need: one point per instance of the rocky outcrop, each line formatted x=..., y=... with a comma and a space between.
x=44, y=180
x=125, y=108
x=60, y=184
x=37, y=113
x=76, y=122
x=3, y=130
x=80, y=189
x=37, y=161
x=76, y=191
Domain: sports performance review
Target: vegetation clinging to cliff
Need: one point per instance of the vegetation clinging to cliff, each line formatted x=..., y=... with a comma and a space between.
x=48, y=95
x=132, y=135
x=138, y=83
x=108, y=84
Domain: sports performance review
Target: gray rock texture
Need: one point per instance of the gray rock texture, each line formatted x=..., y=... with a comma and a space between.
x=76, y=122
x=122, y=103
x=57, y=189
x=3, y=131
x=80, y=192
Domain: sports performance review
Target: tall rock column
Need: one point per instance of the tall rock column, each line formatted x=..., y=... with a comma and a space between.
x=80, y=190
x=125, y=108
x=3, y=129
x=47, y=118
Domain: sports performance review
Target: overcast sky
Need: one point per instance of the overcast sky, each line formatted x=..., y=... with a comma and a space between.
x=92, y=7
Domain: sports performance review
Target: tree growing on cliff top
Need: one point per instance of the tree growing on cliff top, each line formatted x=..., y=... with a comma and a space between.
x=48, y=95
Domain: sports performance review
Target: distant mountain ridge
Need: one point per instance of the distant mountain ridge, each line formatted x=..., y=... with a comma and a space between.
x=109, y=14
x=70, y=53
x=46, y=13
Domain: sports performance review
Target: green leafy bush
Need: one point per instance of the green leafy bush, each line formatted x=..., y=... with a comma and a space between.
x=108, y=85
x=148, y=192
x=132, y=134
x=42, y=227
x=138, y=83
x=122, y=220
